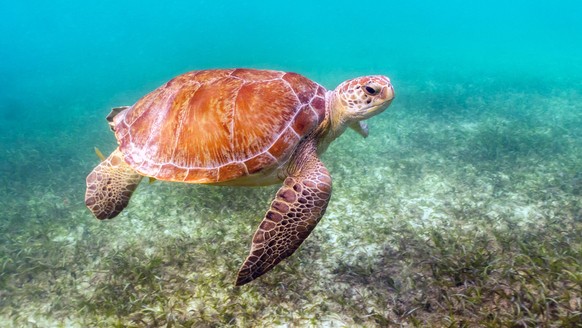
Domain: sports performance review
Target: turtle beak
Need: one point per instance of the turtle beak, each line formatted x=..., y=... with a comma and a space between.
x=380, y=104
x=385, y=99
x=388, y=92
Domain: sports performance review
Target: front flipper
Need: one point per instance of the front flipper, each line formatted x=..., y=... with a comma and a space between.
x=361, y=128
x=110, y=186
x=294, y=212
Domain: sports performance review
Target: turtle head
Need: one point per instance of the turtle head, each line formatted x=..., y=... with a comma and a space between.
x=358, y=99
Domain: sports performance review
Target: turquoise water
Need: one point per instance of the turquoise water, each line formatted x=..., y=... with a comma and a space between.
x=457, y=66
x=66, y=51
x=65, y=63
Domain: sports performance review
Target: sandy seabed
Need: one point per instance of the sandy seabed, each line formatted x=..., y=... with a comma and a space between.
x=461, y=209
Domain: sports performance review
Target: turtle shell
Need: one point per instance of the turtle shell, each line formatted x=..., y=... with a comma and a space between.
x=218, y=125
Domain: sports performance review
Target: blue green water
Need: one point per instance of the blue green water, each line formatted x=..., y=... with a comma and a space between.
x=64, y=64
x=66, y=52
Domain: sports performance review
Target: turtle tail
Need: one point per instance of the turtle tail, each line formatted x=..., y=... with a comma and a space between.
x=110, y=186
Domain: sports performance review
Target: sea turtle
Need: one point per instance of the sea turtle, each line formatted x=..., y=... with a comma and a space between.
x=239, y=127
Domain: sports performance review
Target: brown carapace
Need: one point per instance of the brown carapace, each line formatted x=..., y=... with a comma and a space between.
x=241, y=127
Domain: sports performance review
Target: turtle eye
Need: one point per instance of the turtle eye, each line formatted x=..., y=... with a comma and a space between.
x=370, y=90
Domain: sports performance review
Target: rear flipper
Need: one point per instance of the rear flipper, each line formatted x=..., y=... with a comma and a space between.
x=110, y=186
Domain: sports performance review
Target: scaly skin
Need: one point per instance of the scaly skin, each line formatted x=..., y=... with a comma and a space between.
x=110, y=186
x=297, y=208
